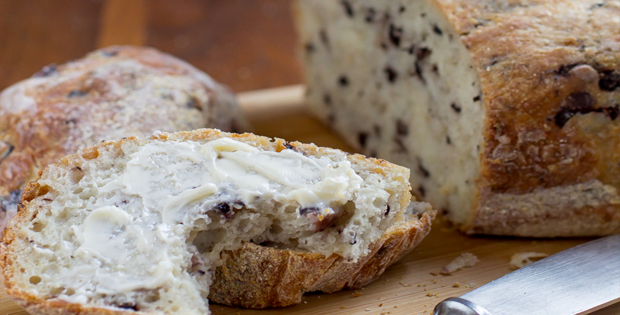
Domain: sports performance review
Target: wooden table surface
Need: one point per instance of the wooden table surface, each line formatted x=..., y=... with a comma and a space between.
x=248, y=45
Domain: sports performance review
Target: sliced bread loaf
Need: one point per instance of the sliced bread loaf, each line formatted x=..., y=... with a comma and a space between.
x=505, y=111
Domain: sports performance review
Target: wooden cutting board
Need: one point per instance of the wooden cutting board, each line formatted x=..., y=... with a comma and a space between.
x=407, y=287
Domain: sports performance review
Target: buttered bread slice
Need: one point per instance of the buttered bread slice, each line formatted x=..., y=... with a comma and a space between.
x=141, y=225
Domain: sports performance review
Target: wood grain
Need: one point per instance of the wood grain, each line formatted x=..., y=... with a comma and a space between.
x=122, y=23
x=407, y=287
x=246, y=44
x=36, y=33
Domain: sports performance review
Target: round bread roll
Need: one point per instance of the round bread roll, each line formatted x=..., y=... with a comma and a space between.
x=111, y=93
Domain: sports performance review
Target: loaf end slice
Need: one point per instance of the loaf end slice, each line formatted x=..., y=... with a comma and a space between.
x=141, y=225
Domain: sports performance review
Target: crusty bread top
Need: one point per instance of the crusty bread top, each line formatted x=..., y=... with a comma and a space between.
x=544, y=65
x=111, y=93
x=182, y=246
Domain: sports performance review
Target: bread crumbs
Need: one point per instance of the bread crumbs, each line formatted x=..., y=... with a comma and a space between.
x=520, y=260
x=463, y=260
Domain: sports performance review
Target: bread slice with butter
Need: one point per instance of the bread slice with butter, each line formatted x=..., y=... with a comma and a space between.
x=142, y=225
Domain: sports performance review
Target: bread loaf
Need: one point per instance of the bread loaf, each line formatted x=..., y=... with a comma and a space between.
x=109, y=94
x=140, y=225
x=506, y=111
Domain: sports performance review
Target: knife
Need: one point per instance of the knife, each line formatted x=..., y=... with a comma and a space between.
x=578, y=280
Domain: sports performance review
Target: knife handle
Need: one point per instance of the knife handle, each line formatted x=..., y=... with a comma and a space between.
x=459, y=306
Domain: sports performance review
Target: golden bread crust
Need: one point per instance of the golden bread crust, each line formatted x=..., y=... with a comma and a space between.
x=550, y=74
x=255, y=276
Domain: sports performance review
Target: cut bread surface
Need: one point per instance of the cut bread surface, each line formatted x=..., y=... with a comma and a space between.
x=137, y=224
x=400, y=66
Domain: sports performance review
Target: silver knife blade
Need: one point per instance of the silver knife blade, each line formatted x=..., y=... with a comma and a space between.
x=578, y=280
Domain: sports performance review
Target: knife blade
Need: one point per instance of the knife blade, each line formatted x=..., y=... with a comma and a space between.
x=578, y=280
